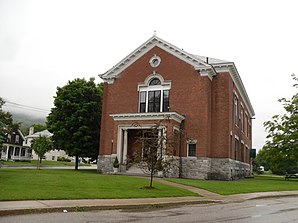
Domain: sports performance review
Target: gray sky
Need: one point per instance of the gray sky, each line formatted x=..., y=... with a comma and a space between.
x=44, y=44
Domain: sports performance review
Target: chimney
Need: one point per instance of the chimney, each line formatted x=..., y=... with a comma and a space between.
x=31, y=130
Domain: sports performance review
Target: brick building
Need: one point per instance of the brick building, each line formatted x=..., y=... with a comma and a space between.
x=202, y=96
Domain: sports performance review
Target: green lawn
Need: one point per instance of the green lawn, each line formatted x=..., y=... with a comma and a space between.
x=256, y=184
x=33, y=184
x=43, y=163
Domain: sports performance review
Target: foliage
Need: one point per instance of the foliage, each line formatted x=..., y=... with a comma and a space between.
x=63, y=159
x=116, y=163
x=38, y=127
x=155, y=152
x=40, y=146
x=281, y=148
x=75, y=118
x=30, y=184
x=261, y=160
x=6, y=123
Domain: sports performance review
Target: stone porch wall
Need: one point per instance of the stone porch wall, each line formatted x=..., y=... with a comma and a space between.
x=192, y=168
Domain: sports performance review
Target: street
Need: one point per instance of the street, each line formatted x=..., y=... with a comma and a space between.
x=271, y=210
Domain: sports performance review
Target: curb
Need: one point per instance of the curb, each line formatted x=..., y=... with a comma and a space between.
x=83, y=208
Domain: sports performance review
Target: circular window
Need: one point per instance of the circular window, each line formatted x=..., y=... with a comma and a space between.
x=155, y=61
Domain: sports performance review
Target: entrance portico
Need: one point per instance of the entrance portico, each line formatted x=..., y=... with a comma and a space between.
x=128, y=127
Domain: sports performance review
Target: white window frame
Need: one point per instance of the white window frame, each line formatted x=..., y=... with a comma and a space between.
x=145, y=87
x=192, y=142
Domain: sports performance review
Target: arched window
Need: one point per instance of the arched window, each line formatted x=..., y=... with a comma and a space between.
x=154, y=81
x=154, y=96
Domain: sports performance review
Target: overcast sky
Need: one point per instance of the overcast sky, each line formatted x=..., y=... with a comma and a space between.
x=44, y=44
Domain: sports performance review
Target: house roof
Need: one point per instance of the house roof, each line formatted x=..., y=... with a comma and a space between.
x=44, y=133
x=206, y=65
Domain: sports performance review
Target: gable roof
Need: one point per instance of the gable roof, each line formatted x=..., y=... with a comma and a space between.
x=206, y=65
x=44, y=133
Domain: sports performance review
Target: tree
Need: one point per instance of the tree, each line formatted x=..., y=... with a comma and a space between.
x=75, y=118
x=281, y=147
x=40, y=146
x=6, y=123
x=156, y=150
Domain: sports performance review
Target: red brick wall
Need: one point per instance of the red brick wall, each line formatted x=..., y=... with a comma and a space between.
x=206, y=104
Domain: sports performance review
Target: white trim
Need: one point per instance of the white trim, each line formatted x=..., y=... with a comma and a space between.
x=236, y=137
x=145, y=87
x=191, y=142
x=198, y=64
x=148, y=116
x=143, y=49
x=155, y=57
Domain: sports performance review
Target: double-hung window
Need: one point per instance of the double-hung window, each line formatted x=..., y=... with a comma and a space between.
x=192, y=149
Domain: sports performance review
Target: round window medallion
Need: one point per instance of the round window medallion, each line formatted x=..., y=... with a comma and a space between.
x=155, y=61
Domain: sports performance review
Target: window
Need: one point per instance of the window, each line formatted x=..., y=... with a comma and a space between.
x=23, y=152
x=17, y=151
x=246, y=125
x=249, y=130
x=155, y=81
x=236, y=148
x=154, y=96
x=166, y=101
x=192, y=149
x=17, y=139
x=143, y=101
x=242, y=119
x=154, y=101
x=242, y=152
x=235, y=109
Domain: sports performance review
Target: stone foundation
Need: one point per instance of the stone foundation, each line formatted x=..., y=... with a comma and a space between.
x=105, y=163
x=192, y=168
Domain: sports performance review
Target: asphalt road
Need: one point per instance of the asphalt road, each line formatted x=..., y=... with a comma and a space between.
x=271, y=210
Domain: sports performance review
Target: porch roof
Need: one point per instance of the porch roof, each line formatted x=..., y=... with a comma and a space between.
x=148, y=116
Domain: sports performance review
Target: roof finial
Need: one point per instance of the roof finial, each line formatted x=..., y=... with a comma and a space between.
x=154, y=34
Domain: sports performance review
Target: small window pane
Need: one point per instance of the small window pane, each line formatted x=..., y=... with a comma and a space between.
x=154, y=101
x=143, y=101
x=166, y=104
x=192, y=149
x=143, y=96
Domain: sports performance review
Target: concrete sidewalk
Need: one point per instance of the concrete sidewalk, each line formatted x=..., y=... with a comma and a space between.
x=41, y=206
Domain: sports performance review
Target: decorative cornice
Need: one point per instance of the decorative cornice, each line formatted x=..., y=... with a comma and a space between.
x=205, y=69
x=148, y=116
x=231, y=68
x=143, y=49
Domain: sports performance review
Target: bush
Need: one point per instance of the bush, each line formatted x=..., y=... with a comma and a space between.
x=116, y=163
x=63, y=159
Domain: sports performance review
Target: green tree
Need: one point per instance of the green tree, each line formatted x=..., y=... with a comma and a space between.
x=281, y=147
x=6, y=123
x=262, y=159
x=75, y=118
x=41, y=145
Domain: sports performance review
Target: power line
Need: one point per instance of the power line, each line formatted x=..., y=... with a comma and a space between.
x=26, y=107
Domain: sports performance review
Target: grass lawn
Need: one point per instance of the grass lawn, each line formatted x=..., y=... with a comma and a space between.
x=33, y=184
x=43, y=163
x=256, y=184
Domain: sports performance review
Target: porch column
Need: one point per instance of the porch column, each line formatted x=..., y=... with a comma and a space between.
x=125, y=146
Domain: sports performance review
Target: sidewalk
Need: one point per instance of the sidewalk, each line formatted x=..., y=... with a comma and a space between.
x=41, y=206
